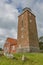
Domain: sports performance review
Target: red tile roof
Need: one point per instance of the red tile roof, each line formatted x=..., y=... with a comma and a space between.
x=10, y=41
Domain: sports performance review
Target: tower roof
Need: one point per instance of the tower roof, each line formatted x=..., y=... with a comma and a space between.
x=26, y=8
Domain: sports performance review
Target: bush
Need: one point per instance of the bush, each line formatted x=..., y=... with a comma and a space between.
x=41, y=45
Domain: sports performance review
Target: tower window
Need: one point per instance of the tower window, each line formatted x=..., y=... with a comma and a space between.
x=30, y=20
x=22, y=36
x=22, y=23
x=22, y=29
x=29, y=14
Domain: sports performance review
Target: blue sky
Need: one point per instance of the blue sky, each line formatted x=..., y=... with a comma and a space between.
x=9, y=11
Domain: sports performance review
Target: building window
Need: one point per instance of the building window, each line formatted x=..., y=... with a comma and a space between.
x=13, y=47
x=6, y=49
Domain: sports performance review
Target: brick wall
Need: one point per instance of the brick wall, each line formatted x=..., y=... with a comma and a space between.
x=27, y=31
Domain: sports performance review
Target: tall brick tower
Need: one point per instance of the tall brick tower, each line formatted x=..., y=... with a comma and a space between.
x=27, y=32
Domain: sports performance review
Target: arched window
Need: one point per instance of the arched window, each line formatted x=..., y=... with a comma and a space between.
x=13, y=47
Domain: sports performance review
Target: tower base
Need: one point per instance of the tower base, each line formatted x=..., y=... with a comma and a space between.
x=28, y=49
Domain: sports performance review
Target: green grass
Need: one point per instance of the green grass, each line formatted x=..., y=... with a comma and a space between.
x=32, y=59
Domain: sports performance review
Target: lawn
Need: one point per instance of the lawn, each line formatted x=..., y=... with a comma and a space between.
x=32, y=59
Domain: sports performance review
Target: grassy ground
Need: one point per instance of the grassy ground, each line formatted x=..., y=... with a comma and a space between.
x=32, y=59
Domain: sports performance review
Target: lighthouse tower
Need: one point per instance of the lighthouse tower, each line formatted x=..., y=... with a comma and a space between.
x=27, y=32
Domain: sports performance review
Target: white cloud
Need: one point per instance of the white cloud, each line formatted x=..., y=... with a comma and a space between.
x=8, y=33
x=38, y=9
x=8, y=20
x=12, y=33
x=9, y=16
x=8, y=12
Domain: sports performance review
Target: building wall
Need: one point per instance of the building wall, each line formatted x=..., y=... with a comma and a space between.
x=10, y=49
x=13, y=48
x=10, y=46
x=23, y=38
x=33, y=35
x=27, y=31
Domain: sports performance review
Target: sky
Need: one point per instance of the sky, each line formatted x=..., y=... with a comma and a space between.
x=9, y=11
